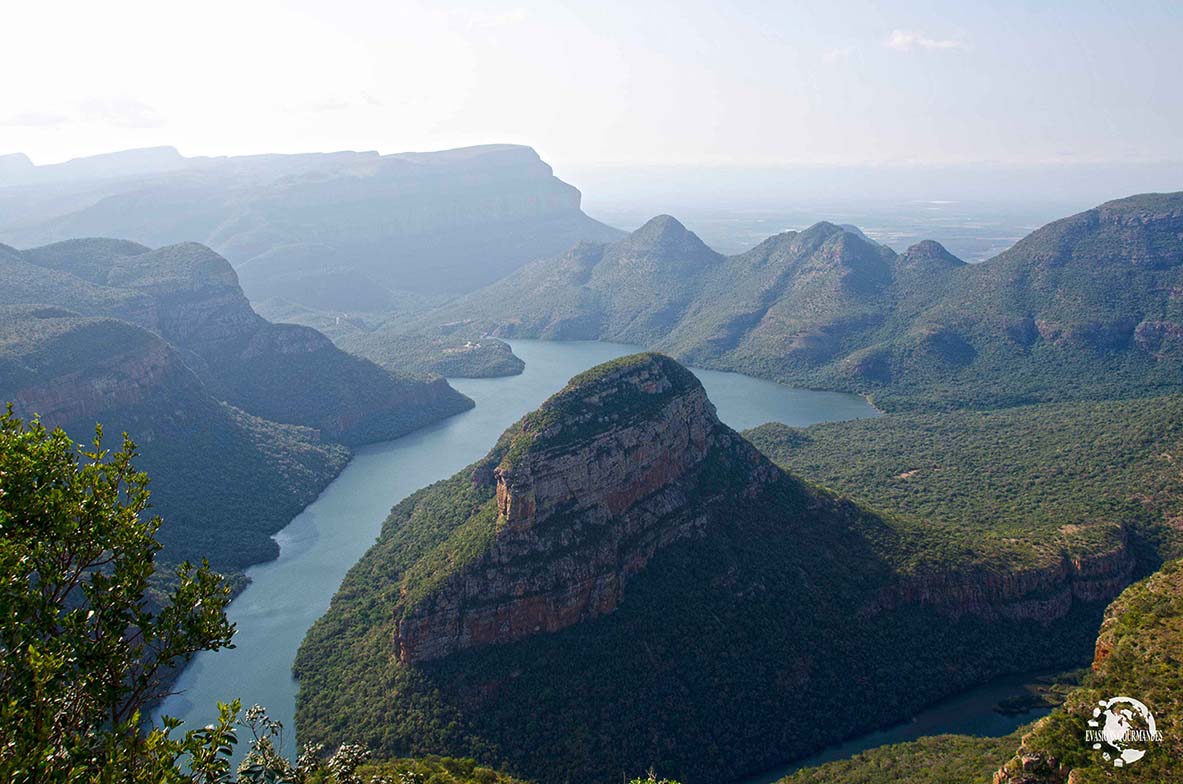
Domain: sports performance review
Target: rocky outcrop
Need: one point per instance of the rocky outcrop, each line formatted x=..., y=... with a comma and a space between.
x=585, y=493
x=1044, y=594
x=1154, y=336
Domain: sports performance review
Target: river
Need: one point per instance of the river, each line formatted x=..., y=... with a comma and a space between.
x=286, y=595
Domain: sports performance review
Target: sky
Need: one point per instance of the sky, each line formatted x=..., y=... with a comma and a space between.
x=682, y=83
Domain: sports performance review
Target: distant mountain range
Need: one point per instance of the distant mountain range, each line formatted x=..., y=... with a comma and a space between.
x=1087, y=306
x=236, y=416
x=351, y=231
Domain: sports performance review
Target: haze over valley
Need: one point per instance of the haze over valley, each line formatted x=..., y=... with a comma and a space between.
x=568, y=393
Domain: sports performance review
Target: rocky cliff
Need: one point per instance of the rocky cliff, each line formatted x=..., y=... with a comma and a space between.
x=626, y=566
x=1137, y=655
x=1042, y=593
x=586, y=491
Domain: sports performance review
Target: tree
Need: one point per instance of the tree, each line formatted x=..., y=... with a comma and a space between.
x=87, y=635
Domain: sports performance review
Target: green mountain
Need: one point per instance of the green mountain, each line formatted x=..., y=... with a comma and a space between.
x=1137, y=655
x=224, y=480
x=345, y=231
x=190, y=296
x=1086, y=307
x=624, y=582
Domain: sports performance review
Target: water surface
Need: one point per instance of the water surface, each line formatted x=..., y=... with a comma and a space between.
x=286, y=595
x=969, y=713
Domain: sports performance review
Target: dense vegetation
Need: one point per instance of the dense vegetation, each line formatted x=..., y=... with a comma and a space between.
x=1084, y=308
x=55, y=363
x=1138, y=655
x=88, y=639
x=82, y=646
x=187, y=344
x=681, y=676
x=1029, y=479
x=433, y=769
x=190, y=296
x=443, y=354
x=936, y=759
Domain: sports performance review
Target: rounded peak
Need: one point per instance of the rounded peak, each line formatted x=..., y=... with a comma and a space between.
x=1142, y=208
x=662, y=222
x=107, y=246
x=931, y=251
x=665, y=235
x=662, y=228
x=824, y=228
x=632, y=369
x=626, y=390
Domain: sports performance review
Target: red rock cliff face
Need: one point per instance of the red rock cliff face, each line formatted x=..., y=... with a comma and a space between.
x=133, y=378
x=576, y=522
x=1041, y=594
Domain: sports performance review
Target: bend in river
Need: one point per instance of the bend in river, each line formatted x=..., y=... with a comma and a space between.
x=287, y=595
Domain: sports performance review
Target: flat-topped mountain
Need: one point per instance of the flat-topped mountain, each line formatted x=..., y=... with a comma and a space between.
x=190, y=296
x=338, y=231
x=625, y=582
x=1086, y=307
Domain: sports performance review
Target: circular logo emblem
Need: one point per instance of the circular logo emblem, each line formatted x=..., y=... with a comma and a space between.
x=1125, y=726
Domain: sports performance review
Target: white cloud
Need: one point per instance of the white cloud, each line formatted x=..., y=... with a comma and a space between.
x=837, y=53
x=907, y=40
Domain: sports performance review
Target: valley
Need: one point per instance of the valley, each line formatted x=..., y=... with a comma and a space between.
x=451, y=589
x=287, y=595
x=591, y=393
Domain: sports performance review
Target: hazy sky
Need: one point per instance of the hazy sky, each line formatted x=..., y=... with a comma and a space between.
x=600, y=82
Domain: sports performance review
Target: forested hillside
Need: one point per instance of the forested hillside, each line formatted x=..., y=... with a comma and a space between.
x=1083, y=308
x=623, y=582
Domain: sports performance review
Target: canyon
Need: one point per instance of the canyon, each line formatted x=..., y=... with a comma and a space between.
x=613, y=545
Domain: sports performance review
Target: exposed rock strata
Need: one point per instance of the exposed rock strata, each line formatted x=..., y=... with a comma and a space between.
x=577, y=518
x=1042, y=594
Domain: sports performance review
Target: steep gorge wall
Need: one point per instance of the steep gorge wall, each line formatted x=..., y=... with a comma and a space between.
x=575, y=523
x=1044, y=594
